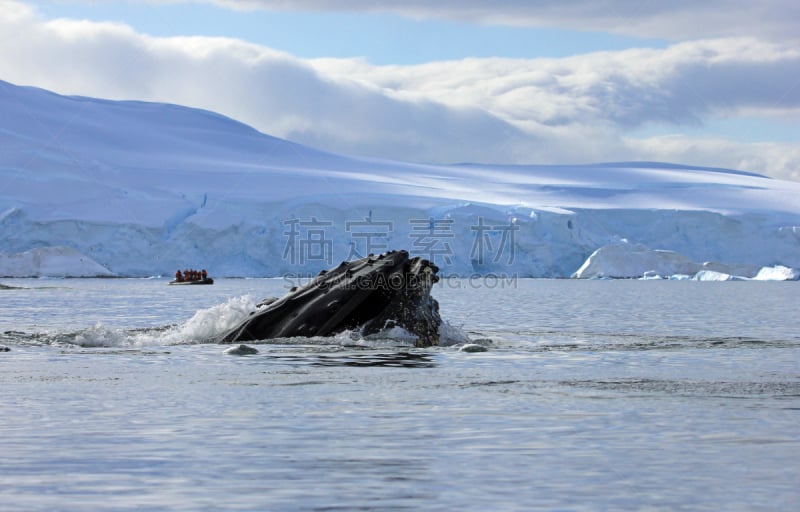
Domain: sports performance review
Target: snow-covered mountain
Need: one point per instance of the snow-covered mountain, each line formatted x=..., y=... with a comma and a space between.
x=144, y=189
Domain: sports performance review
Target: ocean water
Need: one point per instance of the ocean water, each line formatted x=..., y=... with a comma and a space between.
x=591, y=395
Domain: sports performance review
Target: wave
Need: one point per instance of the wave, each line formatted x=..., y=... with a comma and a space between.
x=569, y=341
x=207, y=325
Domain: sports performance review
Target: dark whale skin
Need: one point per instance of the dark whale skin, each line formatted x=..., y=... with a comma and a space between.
x=369, y=295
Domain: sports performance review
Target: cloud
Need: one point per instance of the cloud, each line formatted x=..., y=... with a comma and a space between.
x=681, y=84
x=583, y=108
x=272, y=91
x=673, y=20
x=570, y=110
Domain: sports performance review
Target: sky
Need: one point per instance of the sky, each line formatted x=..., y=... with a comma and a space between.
x=713, y=83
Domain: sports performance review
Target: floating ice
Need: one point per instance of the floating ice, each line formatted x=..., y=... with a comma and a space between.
x=626, y=260
x=777, y=273
x=51, y=262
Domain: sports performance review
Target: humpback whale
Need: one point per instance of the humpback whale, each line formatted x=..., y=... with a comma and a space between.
x=369, y=295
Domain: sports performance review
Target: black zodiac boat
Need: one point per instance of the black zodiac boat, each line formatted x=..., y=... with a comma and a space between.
x=206, y=280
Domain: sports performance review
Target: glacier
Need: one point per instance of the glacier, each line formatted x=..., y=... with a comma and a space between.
x=51, y=262
x=635, y=261
x=140, y=189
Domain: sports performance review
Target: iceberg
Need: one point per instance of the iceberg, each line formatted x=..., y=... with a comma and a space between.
x=636, y=261
x=713, y=275
x=51, y=262
x=142, y=189
x=777, y=273
x=632, y=261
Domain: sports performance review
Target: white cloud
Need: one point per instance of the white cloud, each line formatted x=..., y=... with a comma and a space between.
x=570, y=110
x=672, y=20
x=680, y=84
x=275, y=92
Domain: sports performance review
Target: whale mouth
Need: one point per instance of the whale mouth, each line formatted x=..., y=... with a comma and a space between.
x=370, y=295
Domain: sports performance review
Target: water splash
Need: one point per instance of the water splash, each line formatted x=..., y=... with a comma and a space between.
x=450, y=334
x=208, y=324
x=205, y=325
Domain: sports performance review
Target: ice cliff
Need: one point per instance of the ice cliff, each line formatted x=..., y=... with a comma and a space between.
x=51, y=262
x=631, y=261
x=143, y=189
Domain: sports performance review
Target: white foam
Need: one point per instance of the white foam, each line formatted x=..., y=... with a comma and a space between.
x=99, y=336
x=209, y=323
x=205, y=325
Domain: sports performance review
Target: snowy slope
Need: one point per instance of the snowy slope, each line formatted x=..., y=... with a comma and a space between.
x=144, y=189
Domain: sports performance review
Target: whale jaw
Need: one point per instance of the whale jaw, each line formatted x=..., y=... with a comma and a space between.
x=369, y=295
